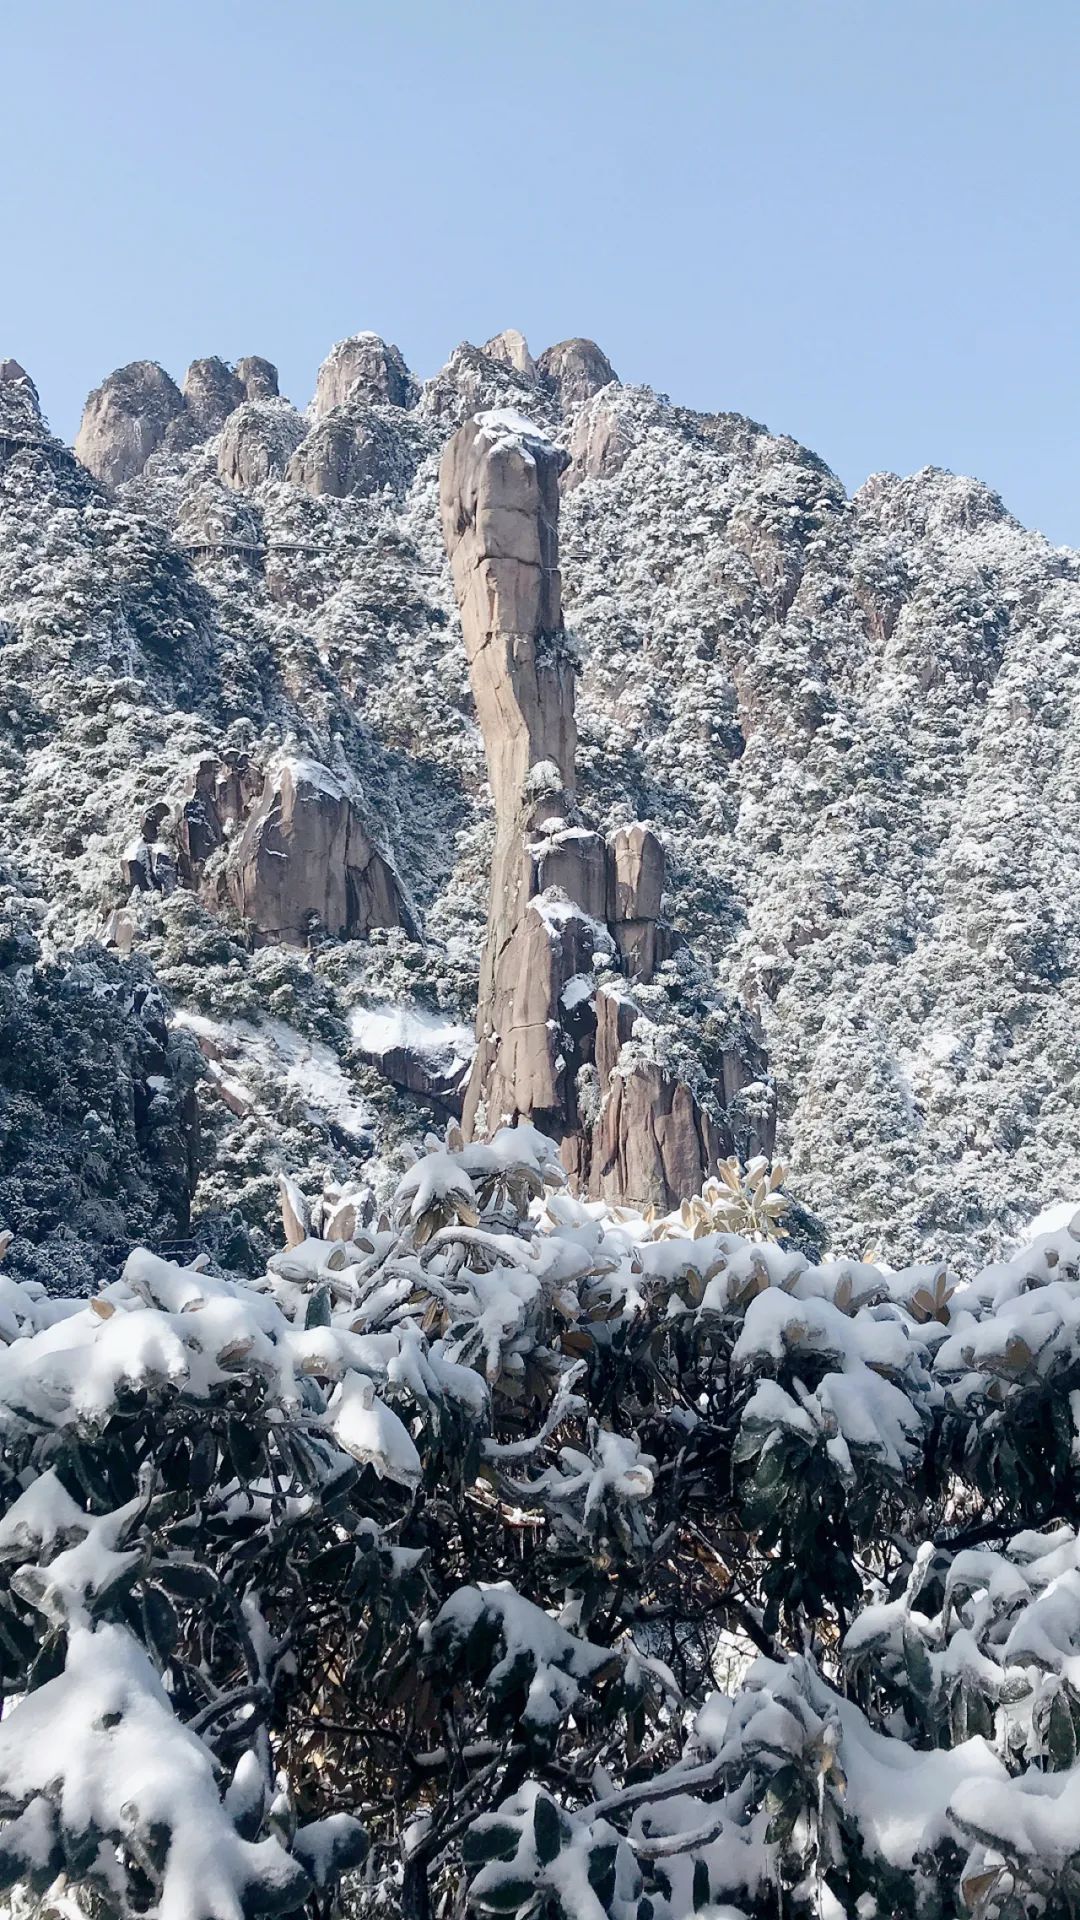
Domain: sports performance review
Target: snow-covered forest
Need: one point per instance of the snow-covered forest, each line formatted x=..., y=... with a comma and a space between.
x=516, y=1554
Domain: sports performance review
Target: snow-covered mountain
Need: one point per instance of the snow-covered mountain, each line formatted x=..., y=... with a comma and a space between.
x=852, y=723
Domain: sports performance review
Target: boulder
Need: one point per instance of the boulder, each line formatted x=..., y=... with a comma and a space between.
x=575, y=860
x=257, y=442
x=125, y=420
x=423, y=1052
x=304, y=863
x=365, y=369
x=573, y=371
x=351, y=451
x=258, y=377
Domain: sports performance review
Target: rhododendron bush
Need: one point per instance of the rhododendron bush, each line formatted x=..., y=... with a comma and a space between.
x=521, y=1555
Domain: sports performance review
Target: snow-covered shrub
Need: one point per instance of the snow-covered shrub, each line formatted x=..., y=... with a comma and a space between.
x=401, y=1577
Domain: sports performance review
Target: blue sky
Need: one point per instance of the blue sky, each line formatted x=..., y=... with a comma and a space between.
x=856, y=220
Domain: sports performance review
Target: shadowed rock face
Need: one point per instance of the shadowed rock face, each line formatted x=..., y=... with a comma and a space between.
x=363, y=368
x=125, y=420
x=567, y=909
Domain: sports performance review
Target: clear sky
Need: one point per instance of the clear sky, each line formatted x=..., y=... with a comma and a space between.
x=856, y=220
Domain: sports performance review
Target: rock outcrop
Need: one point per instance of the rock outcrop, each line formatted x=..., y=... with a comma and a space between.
x=211, y=392
x=599, y=442
x=257, y=442
x=353, y=450
x=287, y=847
x=366, y=369
x=303, y=863
x=572, y=917
x=139, y=410
x=126, y=419
x=512, y=348
x=499, y=499
x=574, y=370
x=258, y=377
x=417, y=1050
x=13, y=375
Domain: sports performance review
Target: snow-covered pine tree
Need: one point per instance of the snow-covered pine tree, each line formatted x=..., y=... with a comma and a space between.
x=516, y=1555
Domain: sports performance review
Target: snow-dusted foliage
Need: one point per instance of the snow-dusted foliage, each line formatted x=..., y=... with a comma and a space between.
x=98, y=1132
x=424, y=1572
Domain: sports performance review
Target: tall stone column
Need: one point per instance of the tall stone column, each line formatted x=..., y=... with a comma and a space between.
x=499, y=497
x=573, y=920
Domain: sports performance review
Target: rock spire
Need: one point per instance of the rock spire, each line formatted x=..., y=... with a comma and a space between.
x=574, y=919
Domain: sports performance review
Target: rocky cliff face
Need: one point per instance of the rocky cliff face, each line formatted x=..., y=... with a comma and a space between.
x=849, y=726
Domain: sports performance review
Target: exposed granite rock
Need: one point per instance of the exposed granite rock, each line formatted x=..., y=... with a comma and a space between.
x=417, y=1051
x=651, y=1140
x=258, y=377
x=125, y=420
x=565, y=907
x=499, y=501
x=211, y=392
x=574, y=370
x=365, y=369
x=303, y=862
x=258, y=441
x=354, y=450
x=224, y=789
x=635, y=894
x=575, y=860
x=512, y=348
x=599, y=440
